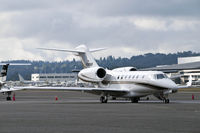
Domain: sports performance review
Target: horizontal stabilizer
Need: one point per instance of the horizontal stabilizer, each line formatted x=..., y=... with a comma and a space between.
x=62, y=50
x=98, y=49
x=80, y=50
x=83, y=52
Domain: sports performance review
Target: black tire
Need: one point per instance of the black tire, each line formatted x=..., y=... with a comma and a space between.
x=166, y=100
x=114, y=98
x=103, y=99
x=134, y=100
x=8, y=98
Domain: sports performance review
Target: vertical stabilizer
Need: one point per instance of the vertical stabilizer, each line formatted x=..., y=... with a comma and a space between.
x=86, y=57
x=189, y=83
x=21, y=78
x=3, y=73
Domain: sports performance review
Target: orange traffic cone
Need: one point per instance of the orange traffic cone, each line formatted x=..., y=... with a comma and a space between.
x=14, y=97
x=56, y=98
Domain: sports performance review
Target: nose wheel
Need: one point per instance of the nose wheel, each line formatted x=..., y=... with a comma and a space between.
x=166, y=100
x=103, y=99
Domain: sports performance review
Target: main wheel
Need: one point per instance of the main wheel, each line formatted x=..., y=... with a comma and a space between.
x=114, y=98
x=134, y=100
x=166, y=100
x=103, y=99
x=8, y=98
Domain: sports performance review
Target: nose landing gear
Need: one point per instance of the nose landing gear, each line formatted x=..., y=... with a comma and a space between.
x=103, y=99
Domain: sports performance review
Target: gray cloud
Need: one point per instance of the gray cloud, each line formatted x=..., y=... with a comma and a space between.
x=130, y=26
x=140, y=7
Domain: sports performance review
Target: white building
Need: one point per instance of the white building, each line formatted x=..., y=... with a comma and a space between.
x=186, y=74
x=182, y=60
x=195, y=73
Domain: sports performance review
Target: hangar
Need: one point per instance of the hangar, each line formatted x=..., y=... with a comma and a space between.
x=54, y=77
x=195, y=73
x=186, y=66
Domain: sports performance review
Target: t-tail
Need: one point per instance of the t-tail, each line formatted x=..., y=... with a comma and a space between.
x=3, y=73
x=189, y=83
x=21, y=79
x=84, y=53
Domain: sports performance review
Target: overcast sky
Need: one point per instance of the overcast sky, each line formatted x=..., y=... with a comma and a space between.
x=125, y=27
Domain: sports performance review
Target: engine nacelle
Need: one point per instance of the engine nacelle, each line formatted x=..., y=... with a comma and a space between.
x=94, y=74
x=170, y=91
x=124, y=69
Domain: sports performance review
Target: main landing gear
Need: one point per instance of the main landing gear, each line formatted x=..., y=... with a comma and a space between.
x=8, y=98
x=166, y=100
x=134, y=100
x=103, y=99
x=163, y=97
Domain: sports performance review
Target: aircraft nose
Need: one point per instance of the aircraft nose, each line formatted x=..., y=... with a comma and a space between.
x=171, y=84
x=168, y=83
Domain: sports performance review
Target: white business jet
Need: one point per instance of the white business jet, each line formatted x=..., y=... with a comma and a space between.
x=125, y=82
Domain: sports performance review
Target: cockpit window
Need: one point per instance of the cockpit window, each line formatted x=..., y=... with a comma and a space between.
x=160, y=76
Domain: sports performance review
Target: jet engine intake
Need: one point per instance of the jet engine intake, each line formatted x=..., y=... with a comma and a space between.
x=94, y=74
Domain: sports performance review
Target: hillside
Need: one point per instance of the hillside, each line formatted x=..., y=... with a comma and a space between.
x=139, y=61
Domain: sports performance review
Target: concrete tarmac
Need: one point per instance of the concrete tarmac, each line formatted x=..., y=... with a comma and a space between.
x=77, y=112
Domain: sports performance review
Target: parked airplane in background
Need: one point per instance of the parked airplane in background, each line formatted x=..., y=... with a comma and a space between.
x=124, y=82
x=3, y=75
x=29, y=82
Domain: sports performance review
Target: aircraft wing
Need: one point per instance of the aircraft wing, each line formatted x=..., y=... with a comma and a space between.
x=72, y=88
x=2, y=90
x=142, y=83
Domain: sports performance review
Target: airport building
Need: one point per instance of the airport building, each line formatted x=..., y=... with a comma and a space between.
x=180, y=73
x=54, y=77
x=182, y=60
x=195, y=73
